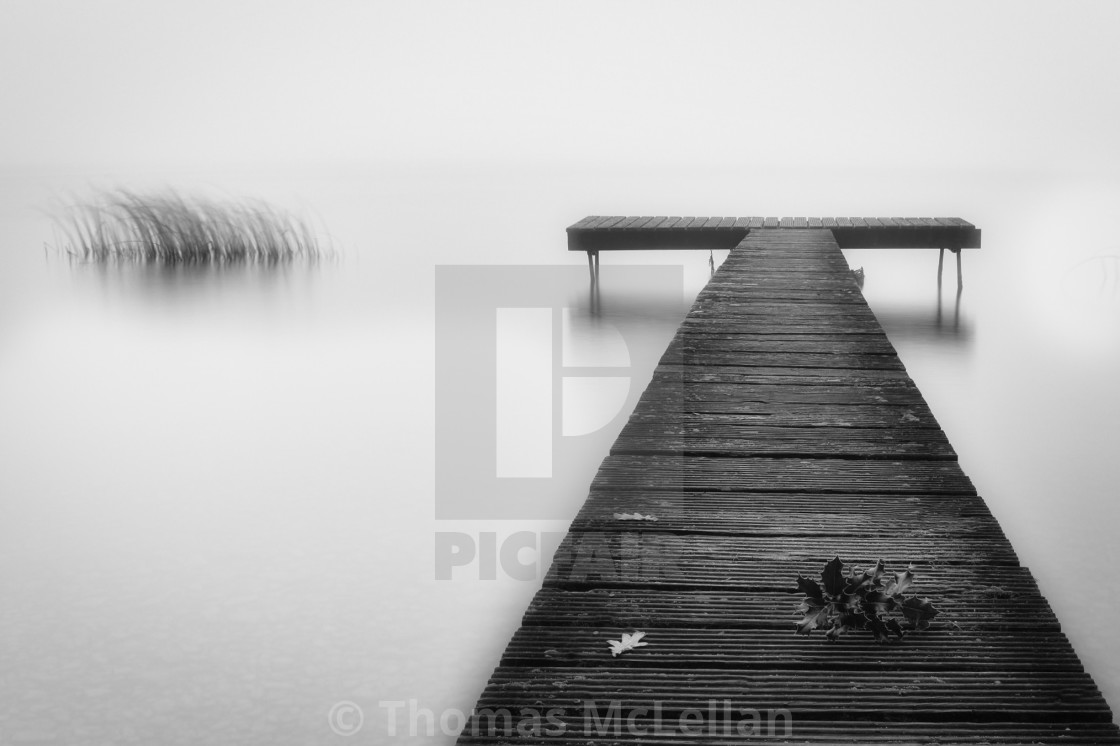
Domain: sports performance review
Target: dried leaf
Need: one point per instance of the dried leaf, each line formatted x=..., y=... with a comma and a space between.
x=866, y=579
x=895, y=627
x=628, y=642
x=833, y=577
x=809, y=587
x=812, y=620
x=877, y=627
x=901, y=582
x=880, y=601
x=919, y=612
x=873, y=574
x=852, y=598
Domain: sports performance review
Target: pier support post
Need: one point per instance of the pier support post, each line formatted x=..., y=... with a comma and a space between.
x=960, y=277
x=941, y=267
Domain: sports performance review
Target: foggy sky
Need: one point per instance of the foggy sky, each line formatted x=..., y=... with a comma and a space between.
x=999, y=86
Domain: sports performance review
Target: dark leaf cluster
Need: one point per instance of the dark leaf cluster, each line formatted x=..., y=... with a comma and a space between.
x=852, y=599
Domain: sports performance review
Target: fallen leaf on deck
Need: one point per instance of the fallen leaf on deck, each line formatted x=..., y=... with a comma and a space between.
x=628, y=642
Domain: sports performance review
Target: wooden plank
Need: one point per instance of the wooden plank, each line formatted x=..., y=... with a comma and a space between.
x=702, y=474
x=741, y=310
x=700, y=387
x=772, y=324
x=863, y=344
x=648, y=609
x=746, y=346
x=787, y=378
x=775, y=649
x=786, y=442
x=692, y=416
x=792, y=295
x=774, y=390
x=585, y=222
x=727, y=308
x=1023, y=695
x=707, y=357
x=778, y=727
x=760, y=563
x=855, y=374
x=781, y=514
x=733, y=277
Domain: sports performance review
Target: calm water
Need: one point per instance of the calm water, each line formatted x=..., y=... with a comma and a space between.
x=217, y=490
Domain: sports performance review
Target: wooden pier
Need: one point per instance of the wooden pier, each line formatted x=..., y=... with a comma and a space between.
x=612, y=233
x=781, y=430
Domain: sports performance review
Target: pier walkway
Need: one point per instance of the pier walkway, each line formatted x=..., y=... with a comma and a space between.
x=781, y=430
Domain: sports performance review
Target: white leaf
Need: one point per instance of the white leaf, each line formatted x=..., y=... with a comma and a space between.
x=628, y=642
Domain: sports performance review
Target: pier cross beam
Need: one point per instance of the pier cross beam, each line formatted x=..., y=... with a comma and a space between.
x=597, y=233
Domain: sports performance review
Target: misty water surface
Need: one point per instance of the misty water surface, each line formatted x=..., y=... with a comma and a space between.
x=216, y=488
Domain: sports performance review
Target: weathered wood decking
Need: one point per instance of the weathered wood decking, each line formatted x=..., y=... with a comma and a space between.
x=612, y=233
x=779, y=430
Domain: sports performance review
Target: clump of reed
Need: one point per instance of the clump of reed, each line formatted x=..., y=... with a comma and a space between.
x=168, y=228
